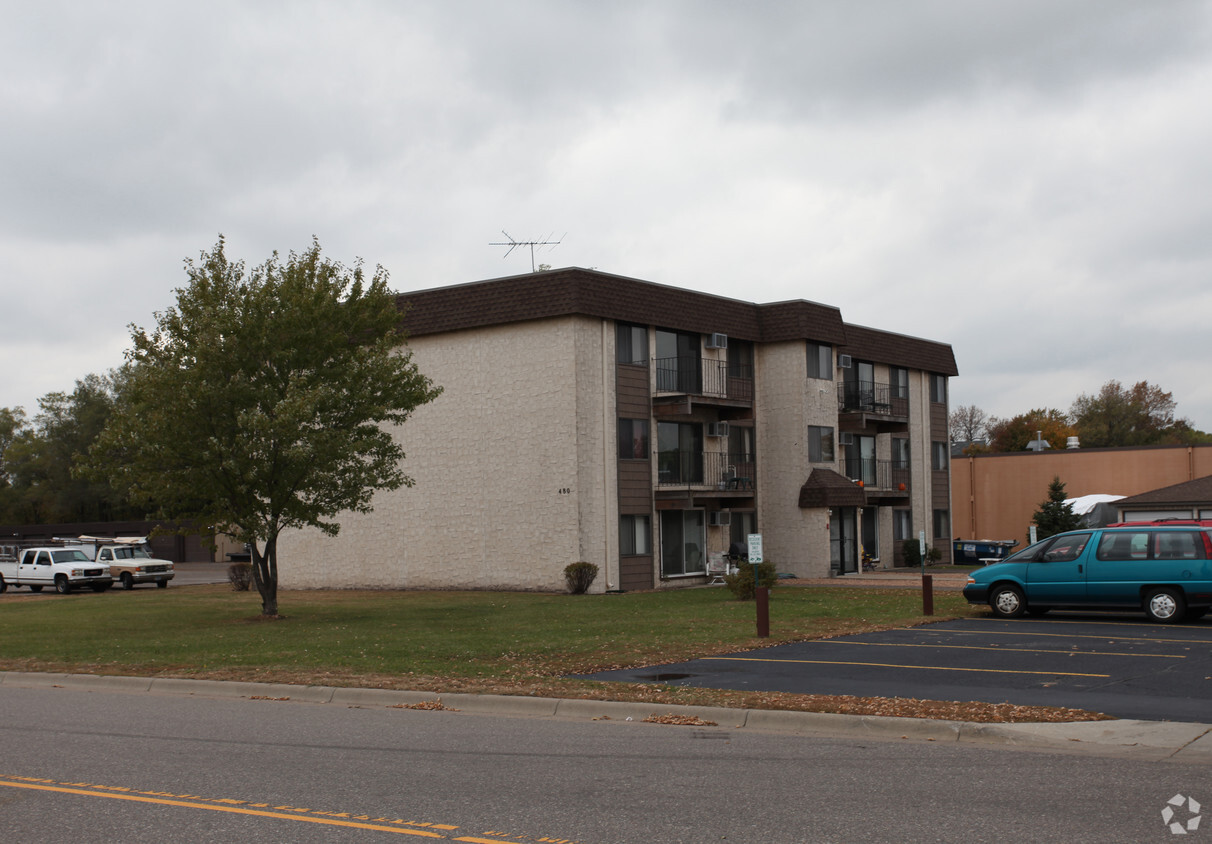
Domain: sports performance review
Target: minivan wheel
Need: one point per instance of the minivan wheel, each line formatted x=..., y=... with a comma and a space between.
x=1006, y=601
x=1165, y=605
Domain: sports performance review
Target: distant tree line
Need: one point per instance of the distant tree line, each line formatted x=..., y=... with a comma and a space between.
x=39, y=483
x=1115, y=416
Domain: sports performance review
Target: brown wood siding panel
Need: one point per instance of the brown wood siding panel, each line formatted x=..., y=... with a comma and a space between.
x=633, y=392
x=635, y=487
x=635, y=573
x=938, y=422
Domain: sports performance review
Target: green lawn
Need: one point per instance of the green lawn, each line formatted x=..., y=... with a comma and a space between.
x=514, y=643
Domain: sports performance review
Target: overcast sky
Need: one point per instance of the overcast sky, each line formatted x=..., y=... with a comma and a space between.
x=1030, y=182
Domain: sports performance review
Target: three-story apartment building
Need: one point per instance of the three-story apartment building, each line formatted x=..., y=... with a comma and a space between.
x=647, y=429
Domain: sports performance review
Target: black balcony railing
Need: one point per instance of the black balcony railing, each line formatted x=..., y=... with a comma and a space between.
x=877, y=474
x=706, y=470
x=695, y=377
x=871, y=397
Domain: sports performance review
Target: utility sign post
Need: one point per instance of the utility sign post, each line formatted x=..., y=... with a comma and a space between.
x=761, y=594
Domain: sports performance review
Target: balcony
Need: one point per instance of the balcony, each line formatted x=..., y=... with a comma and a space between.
x=733, y=474
x=880, y=478
x=708, y=379
x=865, y=404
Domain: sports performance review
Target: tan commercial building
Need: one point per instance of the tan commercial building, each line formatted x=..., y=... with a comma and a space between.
x=994, y=496
x=649, y=430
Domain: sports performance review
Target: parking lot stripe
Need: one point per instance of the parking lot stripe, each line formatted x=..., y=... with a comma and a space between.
x=1070, y=636
x=893, y=665
x=991, y=648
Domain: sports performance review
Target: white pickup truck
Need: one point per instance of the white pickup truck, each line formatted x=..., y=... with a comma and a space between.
x=63, y=568
x=128, y=559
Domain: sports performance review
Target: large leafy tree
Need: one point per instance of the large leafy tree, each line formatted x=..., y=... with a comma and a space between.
x=262, y=401
x=1014, y=434
x=1054, y=515
x=1118, y=416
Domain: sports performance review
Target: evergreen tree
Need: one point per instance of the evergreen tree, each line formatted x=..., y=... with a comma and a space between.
x=1054, y=515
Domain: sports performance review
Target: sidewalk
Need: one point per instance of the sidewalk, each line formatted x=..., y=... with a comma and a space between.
x=887, y=579
x=1147, y=740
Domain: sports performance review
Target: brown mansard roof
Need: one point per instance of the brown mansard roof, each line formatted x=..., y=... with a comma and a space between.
x=1198, y=491
x=573, y=290
x=877, y=346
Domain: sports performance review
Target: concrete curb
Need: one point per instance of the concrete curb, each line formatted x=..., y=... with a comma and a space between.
x=1150, y=740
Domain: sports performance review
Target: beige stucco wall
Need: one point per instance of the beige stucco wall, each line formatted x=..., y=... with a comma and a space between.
x=786, y=403
x=508, y=464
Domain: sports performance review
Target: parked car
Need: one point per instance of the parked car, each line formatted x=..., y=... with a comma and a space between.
x=1163, y=569
x=63, y=568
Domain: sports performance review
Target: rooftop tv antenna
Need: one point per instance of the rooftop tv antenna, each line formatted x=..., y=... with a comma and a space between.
x=514, y=244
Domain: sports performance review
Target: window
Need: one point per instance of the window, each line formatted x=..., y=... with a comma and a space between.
x=678, y=362
x=898, y=379
x=633, y=439
x=632, y=344
x=679, y=452
x=1178, y=545
x=1065, y=548
x=1123, y=545
x=740, y=359
x=820, y=361
x=820, y=444
x=635, y=536
x=683, y=542
x=902, y=525
x=742, y=525
x=938, y=456
x=900, y=453
x=938, y=388
x=942, y=526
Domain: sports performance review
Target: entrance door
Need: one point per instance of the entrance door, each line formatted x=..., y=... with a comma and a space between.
x=843, y=540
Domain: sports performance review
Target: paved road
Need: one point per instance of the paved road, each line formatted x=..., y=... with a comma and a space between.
x=84, y=766
x=1120, y=665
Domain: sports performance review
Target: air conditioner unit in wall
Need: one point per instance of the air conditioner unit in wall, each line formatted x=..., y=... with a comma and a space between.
x=719, y=518
x=717, y=429
x=843, y=361
x=845, y=439
x=717, y=341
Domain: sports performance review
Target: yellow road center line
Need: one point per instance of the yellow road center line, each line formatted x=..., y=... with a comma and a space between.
x=232, y=809
x=999, y=650
x=894, y=665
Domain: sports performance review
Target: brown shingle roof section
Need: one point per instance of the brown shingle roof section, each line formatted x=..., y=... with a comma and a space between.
x=590, y=293
x=1198, y=491
x=826, y=488
x=877, y=346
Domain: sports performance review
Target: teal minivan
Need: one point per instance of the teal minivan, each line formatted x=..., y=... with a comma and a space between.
x=1165, y=570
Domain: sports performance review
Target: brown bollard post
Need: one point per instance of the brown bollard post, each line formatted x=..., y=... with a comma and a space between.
x=927, y=594
x=762, y=596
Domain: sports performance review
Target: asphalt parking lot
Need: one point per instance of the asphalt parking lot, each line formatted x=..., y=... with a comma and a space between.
x=1119, y=664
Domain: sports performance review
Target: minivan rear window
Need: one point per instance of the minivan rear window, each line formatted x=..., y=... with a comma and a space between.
x=1178, y=545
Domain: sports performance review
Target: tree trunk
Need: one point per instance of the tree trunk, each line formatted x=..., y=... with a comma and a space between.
x=265, y=575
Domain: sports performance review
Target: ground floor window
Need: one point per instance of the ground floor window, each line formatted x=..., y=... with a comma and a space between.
x=902, y=525
x=683, y=542
x=635, y=536
x=942, y=526
x=742, y=525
